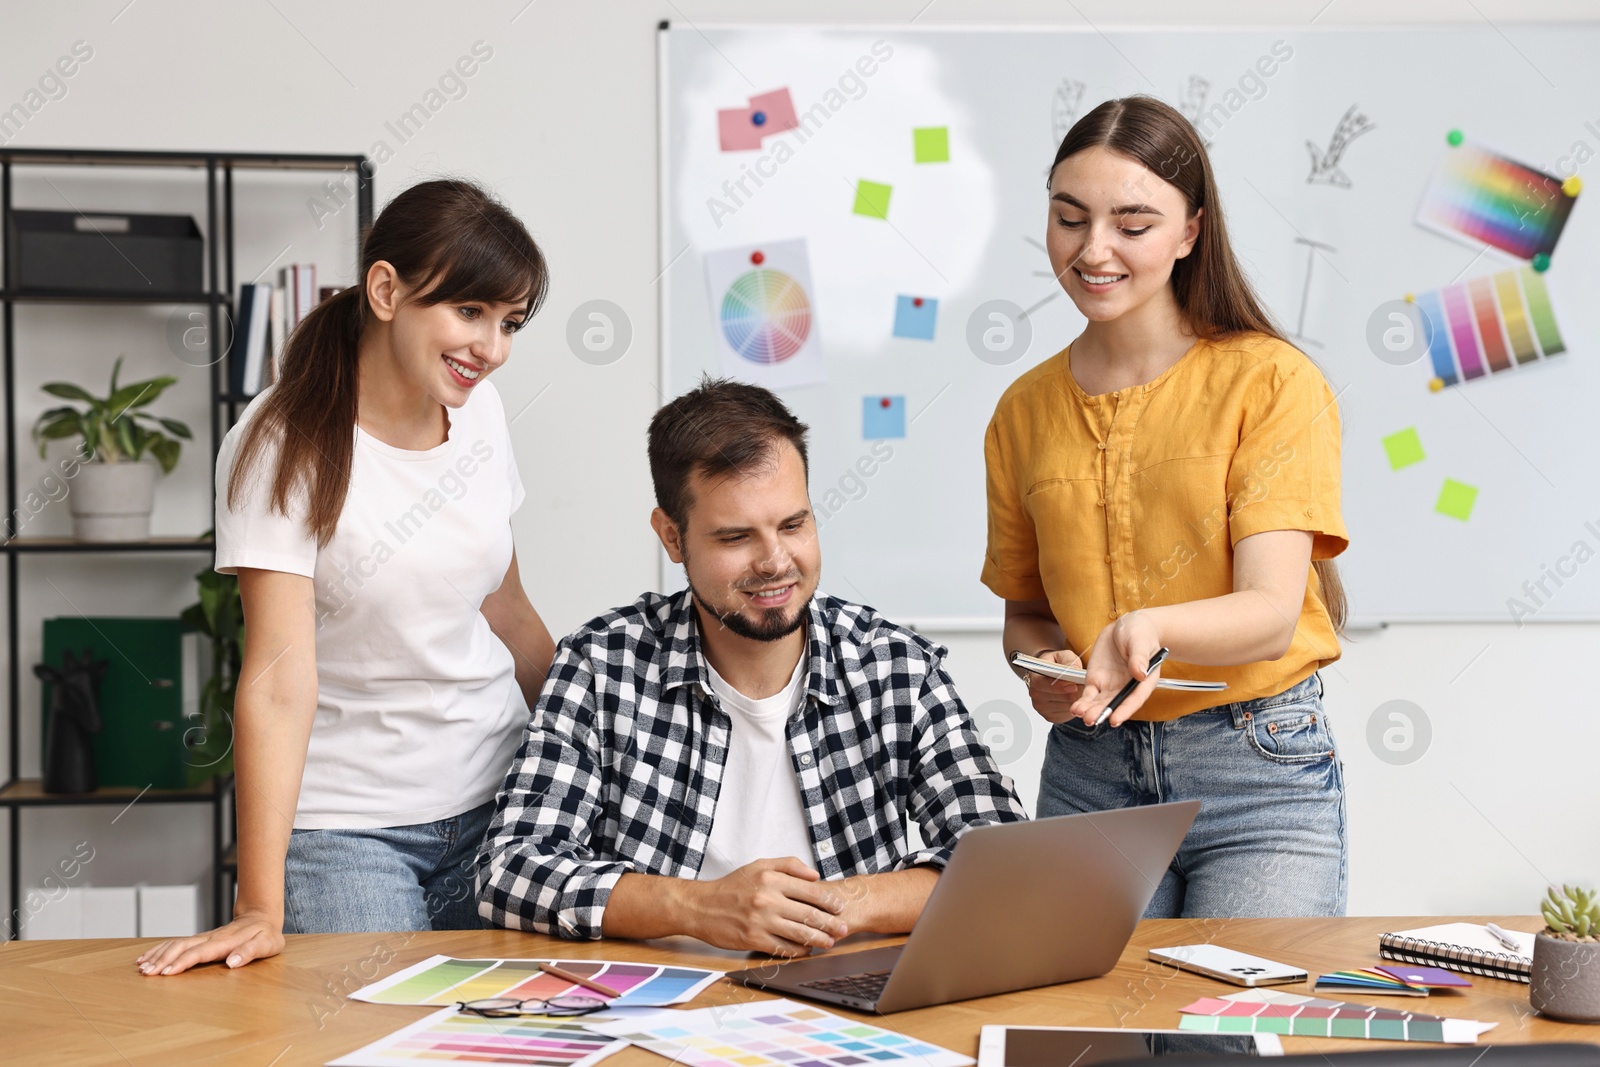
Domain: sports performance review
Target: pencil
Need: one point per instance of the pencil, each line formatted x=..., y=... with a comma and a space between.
x=578, y=979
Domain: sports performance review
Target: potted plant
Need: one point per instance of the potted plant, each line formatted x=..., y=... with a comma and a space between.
x=114, y=491
x=1565, y=981
x=219, y=614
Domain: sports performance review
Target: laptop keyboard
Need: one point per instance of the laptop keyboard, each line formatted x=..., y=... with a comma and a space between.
x=866, y=986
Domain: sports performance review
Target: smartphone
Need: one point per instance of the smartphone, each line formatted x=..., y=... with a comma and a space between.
x=1050, y=669
x=1240, y=968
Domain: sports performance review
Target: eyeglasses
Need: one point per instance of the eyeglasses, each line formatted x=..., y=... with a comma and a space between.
x=506, y=1007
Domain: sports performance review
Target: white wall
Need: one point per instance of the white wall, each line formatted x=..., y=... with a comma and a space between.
x=561, y=121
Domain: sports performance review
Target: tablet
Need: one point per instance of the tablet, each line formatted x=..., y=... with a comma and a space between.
x=1050, y=669
x=1053, y=1046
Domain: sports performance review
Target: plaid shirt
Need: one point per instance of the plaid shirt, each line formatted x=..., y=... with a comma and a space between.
x=623, y=758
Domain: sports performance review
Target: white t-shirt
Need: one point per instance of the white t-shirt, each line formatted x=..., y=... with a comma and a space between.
x=418, y=710
x=759, y=814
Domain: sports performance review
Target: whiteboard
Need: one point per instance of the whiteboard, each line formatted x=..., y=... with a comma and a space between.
x=909, y=538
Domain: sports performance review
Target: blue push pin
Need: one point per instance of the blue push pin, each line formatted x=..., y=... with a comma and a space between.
x=759, y=118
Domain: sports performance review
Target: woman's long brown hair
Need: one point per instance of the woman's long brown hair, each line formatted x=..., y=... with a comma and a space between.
x=1213, y=293
x=450, y=242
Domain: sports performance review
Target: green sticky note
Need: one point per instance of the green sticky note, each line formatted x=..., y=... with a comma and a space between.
x=1404, y=448
x=1456, y=499
x=872, y=199
x=931, y=144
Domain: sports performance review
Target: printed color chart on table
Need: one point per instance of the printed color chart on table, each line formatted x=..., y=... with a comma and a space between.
x=441, y=981
x=448, y=1037
x=1489, y=325
x=1269, y=1011
x=775, y=1033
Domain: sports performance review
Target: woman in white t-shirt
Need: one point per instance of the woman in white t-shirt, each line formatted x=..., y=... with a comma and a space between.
x=390, y=652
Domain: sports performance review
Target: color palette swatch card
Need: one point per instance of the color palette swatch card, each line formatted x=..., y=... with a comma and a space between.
x=451, y=1037
x=1366, y=981
x=1424, y=977
x=442, y=981
x=1486, y=198
x=1489, y=325
x=775, y=1033
x=1272, y=1012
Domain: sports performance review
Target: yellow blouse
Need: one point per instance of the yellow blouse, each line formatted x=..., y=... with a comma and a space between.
x=1106, y=504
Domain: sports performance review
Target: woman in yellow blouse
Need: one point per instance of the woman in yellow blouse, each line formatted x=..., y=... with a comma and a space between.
x=1171, y=479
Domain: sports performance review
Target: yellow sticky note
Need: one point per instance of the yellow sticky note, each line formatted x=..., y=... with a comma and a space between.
x=872, y=199
x=1456, y=499
x=931, y=144
x=1403, y=448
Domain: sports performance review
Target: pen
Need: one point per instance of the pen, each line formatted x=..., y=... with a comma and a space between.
x=578, y=979
x=1133, y=683
x=1502, y=937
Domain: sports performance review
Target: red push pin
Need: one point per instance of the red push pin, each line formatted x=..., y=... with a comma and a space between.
x=916, y=302
x=884, y=403
x=757, y=258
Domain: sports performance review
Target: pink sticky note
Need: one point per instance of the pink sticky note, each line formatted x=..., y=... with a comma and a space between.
x=778, y=108
x=736, y=132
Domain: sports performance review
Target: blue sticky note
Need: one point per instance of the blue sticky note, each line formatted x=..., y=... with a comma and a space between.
x=882, y=417
x=914, y=317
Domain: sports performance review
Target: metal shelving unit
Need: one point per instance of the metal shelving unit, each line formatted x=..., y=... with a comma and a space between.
x=18, y=793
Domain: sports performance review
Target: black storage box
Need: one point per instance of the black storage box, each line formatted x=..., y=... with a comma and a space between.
x=105, y=254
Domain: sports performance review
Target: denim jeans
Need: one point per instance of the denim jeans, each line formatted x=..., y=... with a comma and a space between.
x=395, y=878
x=1270, y=836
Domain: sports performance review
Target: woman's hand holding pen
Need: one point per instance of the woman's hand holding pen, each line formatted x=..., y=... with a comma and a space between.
x=1132, y=639
x=1053, y=697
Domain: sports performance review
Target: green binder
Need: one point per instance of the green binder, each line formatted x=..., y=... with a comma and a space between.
x=142, y=697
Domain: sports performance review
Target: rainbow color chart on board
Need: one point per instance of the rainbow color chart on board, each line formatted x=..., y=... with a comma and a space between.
x=766, y=316
x=775, y=1033
x=1489, y=325
x=1489, y=199
x=449, y=1037
x=442, y=980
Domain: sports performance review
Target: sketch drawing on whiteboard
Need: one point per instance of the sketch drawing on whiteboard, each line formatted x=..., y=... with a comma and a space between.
x=1325, y=164
x=1313, y=250
x=1064, y=107
x=1192, y=103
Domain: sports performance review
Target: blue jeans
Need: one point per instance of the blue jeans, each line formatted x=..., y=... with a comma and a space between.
x=1270, y=836
x=395, y=878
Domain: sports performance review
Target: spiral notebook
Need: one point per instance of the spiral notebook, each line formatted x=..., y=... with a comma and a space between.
x=1464, y=947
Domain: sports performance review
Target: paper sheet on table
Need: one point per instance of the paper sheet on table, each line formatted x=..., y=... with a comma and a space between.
x=452, y=1037
x=442, y=981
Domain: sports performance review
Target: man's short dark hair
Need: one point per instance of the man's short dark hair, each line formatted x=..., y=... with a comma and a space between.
x=719, y=427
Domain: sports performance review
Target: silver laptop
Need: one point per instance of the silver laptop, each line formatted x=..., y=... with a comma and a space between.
x=1019, y=905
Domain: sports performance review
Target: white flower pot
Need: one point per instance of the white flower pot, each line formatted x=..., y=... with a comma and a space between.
x=112, y=501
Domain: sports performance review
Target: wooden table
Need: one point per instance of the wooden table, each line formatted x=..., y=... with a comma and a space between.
x=74, y=1003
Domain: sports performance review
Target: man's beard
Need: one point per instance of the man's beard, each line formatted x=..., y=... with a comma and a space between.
x=772, y=624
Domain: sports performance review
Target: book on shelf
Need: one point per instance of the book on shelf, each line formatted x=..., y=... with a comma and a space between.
x=1466, y=947
x=279, y=332
x=248, y=353
x=299, y=282
x=267, y=316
